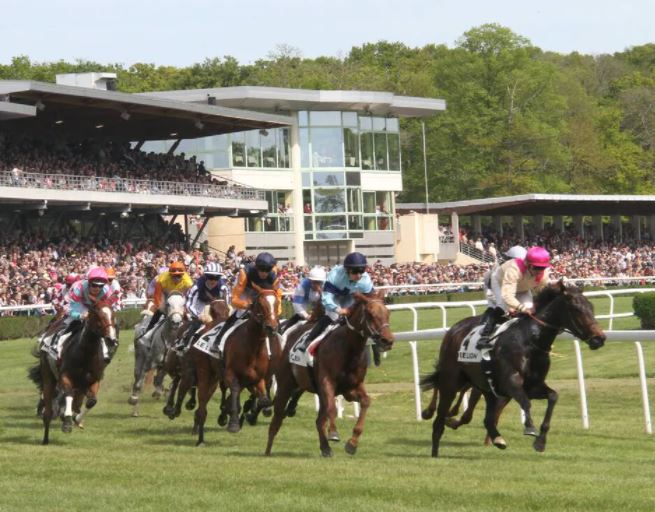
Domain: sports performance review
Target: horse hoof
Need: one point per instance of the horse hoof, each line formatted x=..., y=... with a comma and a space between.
x=351, y=448
x=222, y=420
x=133, y=400
x=500, y=443
x=267, y=411
x=251, y=419
x=451, y=423
x=426, y=414
x=233, y=427
x=190, y=406
x=530, y=431
x=327, y=452
x=200, y=444
x=156, y=394
x=290, y=413
x=168, y=411
x=539, y=445
x=264, y=402
x=333, y=435
x=67, y=425
x=135, y=414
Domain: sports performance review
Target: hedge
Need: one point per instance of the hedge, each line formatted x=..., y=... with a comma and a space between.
x=644, y=308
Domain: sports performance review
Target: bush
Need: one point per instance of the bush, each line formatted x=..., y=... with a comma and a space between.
x=644, y=308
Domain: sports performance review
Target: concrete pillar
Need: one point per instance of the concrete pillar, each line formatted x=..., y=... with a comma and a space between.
x=597, y=221
x=558, y=220
x=636, y=226
x=477, y=225
x=498, y=224
x=298, y=221
x=578, y=223
x=538, y=222
x=454, y=227
x=518, y=226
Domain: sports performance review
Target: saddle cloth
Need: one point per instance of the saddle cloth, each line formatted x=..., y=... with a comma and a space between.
x=205, y=342
x=468, y=351
x=305, y=357
x=283, y=340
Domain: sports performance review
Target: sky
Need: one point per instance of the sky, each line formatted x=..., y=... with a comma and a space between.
x=180, y=33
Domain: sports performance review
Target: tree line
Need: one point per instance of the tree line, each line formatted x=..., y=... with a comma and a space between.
x=518, y=119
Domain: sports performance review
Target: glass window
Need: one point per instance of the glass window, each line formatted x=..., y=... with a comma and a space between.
x=392, y=125
x=384, y=223
x=328, y=200
x=349, y=119
x=326, y=147
x=309, y=223
x=303, y=135
x=367, y=150
x=283, y=147
x=355, y=234
x=307, y=201
x=303, y=118
x=269, y=149
x=393, y=142
x=255, y=224
x=325, y=118
x=383, y=202
x=306, y=179
x=365, y=123
x=369, y=202
x=270, y=224
x=328, y=179
x=351, y=147
x=354, y=202
x=253, y=148
x=329, y=235
x=381, y=151
x=353, y=179
x=330, y=222
x=355, y=222
x=379, y=124
x=239, y=149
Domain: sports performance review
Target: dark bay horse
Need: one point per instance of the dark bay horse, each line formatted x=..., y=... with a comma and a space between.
x=340, y=366
x=521, y=360
x=82, y=368
x=245, y=363
x=181, y=368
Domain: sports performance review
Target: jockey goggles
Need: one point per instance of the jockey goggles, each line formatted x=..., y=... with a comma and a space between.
x=264, y=268
x=356, y=270
x=97, y=284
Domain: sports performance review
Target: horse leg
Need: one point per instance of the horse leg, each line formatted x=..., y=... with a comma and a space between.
x=169, y=408
x=446, y=397
x=223, y=415
x=364, y=400
x=285, y=390
x=49, y=386
x=191, y=402
x=490, y=421
x=91, y=401
x=467, y=416
x=204, y=394
x=234, y=424
x=428, y=412
x=292, y=405
x=515, y=390
x=551, y=395
x=159, y=383
x=139, y=377
x=327, y=410
x=67, y=389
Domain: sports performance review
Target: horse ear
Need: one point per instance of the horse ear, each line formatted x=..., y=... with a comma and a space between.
x=561, y=285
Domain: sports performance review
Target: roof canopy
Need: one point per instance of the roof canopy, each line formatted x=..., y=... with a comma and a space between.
x=542, y=204
x=39, y=108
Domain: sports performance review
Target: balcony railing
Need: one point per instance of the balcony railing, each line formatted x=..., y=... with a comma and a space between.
x=127, y=185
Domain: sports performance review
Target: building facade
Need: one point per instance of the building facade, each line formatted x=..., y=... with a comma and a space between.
x=330, y=178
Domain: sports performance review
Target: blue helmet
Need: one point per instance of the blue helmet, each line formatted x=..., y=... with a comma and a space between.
x=265, y=261
x=355, y=260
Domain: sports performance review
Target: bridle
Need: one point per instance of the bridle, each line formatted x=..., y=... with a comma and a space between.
x=375, y=334
x=560, y=329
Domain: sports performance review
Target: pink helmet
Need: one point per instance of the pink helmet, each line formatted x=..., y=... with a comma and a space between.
x=71, y=278
x=97, y=274
x=538, y=257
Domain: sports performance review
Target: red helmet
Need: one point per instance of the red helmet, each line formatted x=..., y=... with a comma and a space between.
x=71, y=278
x=97, y=275
x=538, y=257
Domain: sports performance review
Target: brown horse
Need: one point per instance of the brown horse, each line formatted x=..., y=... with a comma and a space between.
x=521, y=360
x=82, y=368
x=245, y=363
x=340, y=366
x=181, y=368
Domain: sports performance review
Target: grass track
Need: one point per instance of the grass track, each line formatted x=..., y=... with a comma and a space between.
x=150, y=463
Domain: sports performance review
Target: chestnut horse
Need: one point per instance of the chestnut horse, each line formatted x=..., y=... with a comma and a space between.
x=245, y=363
x=340, y=365
x=521, y=360
x=82, y=368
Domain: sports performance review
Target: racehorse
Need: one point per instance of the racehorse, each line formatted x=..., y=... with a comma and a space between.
x=81, y=369
x=521, y=360
x=151, y=355
x=180, y=368
x=340, y=365
x=245, y=363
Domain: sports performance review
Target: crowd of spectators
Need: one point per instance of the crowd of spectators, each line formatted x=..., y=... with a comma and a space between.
x=31, y=265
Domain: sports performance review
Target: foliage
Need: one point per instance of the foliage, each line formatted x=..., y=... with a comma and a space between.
x=644, y=308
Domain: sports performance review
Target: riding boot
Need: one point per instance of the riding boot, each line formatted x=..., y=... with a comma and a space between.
x=376, y=355
x=190, y=335
x=295, y=318
x=318, y=328
x=153, y=321
x=489, y=322
x=228, y=323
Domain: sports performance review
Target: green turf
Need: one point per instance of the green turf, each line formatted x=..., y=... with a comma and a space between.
x=150, y=463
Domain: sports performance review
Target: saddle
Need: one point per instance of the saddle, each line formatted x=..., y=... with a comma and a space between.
x=205, y=342
x=468, y=351
x=304, y=356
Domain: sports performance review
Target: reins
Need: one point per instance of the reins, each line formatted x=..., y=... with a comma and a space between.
x=373, y=333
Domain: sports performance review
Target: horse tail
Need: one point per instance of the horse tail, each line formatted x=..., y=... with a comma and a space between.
x=430, y=381
x=34, y=374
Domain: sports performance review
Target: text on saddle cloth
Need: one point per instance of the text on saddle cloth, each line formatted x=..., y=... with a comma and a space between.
x=304, y=356
x=206, y=341
x=468, y=351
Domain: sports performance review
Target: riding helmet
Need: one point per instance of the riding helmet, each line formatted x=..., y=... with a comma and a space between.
x=317, y=274
x=538, y=257
x=265, y=261
x=97, y=275
x=213, y=269
x=355, y=260
x=177, y=268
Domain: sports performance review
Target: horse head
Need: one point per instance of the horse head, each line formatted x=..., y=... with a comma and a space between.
x=175, y=309
x=265, y=310
x=371, y=317
x=219, y=310
x=101, y=321
x=575, y=313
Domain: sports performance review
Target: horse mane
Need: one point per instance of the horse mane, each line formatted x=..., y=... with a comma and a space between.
x=553, y=291
x=367, y=297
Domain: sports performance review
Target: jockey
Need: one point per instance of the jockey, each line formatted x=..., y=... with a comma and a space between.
x=307, y=295
x=342, y=281
x=175, y=279
x=61, y=300
x=262, y=274
x=512, y=284
x=115, y=291
x=82, y=295
x=150, y=290
x=207, y=288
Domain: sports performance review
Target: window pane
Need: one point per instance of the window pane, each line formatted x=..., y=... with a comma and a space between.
x=349, y=119
x=303, y=135
x=379, y=124
x=330, y=222
x=283, y=147
x=329, y=200
x=309, y=223
x=383, y=202
x=351, y=147
x=365, y=123
x=394, y=152
x=384, y=223
x=253, y=148
x=239, y=149
x=353, y=179
x=325, y=118
x=367, y=150
x=329, y=235
x=306, y=179
x=307, y=201
x=269, y=148
x=354, y=202
x=270, y=224
x=369, y=202
x=326, y=147
x=303, y=119
x=392, y=125
x=255, y=224
x=328, y=179
x=355, y=222
x=381, y=151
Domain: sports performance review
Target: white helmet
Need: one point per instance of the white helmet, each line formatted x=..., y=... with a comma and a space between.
x=317, y=274
x=517, y=252
x=213, y=268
